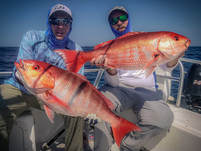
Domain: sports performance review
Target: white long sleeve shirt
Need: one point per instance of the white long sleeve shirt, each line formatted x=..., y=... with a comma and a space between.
x=134, y=78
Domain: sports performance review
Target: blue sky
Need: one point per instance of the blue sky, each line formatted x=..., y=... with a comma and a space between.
x=90, y=25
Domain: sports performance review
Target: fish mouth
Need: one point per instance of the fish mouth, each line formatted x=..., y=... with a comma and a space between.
x=20, y=68
x=187, y=43
x=20, y=65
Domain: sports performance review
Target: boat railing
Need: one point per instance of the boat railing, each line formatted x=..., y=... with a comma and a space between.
x=179, y=79
x=4, y=73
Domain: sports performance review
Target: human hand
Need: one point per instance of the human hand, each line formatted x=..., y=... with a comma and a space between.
x=100, y=61
x=92, y=119
x=172, y=63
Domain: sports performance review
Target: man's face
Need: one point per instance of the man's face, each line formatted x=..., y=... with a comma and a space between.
x=60, y=26
x=120, y=25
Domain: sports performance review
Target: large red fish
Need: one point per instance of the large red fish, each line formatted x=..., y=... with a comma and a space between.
x=132, y=51
x=71, y=94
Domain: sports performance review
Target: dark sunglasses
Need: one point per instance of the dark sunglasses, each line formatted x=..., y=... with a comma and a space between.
x=115, y=20
x=60, y=21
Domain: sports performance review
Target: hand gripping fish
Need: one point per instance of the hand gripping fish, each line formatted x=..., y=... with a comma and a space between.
x=132, y=51
x=71, y=94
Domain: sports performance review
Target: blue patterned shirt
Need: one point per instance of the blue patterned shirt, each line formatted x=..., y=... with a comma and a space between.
x=34, y=46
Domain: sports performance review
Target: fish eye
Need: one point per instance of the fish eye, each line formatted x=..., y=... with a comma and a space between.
x=176, y=38
x=156, y=55
x=36, y=67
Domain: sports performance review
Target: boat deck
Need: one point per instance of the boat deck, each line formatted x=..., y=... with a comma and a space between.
x=185, y=133
x=179, y=140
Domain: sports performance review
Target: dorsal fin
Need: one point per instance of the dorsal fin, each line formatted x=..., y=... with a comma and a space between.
x=129, y=34
x=103, y=44
x=73, y=59
x=121, y=37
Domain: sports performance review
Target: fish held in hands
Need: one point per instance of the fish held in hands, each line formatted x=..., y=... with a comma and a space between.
x=71, y=94
x=132, y=51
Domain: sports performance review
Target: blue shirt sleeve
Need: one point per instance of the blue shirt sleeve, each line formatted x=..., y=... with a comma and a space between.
x=25, y=52
x=41, y=52
x=25, y=49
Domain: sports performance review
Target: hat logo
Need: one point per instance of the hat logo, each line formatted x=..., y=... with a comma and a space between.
x=60, y=7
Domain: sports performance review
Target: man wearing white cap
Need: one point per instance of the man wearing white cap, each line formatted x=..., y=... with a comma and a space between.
x=133, y=90
x=30, y=127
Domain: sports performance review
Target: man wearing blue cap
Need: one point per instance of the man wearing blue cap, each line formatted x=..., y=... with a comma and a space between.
x=31, y=128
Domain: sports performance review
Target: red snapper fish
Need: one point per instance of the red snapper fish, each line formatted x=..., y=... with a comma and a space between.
x=132, y=51
x=70, y=94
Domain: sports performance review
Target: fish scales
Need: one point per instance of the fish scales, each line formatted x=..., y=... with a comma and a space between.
x=128, y=51
x=66, y=87
x=81, y=98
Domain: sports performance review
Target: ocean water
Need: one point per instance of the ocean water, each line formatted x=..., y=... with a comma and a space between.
x=8, y=56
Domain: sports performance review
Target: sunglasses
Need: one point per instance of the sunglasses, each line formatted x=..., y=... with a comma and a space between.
x=115, y=20
x=60, y=21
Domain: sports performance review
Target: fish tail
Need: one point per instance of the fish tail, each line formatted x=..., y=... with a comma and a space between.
x=74, y=59
x=120, y=130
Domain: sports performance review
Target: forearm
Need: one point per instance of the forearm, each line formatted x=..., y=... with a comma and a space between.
x=172, y=64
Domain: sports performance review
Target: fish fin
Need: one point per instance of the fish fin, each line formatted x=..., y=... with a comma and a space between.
x=109, y=103
x=123, y=128
x=102, y=44
x=110, y=41
x=53, y=99
x=49, y=112
x=74, y=59
x=149, y=71
x=129, y=34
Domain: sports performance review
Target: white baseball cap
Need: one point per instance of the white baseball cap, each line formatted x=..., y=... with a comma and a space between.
x=60, y=7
